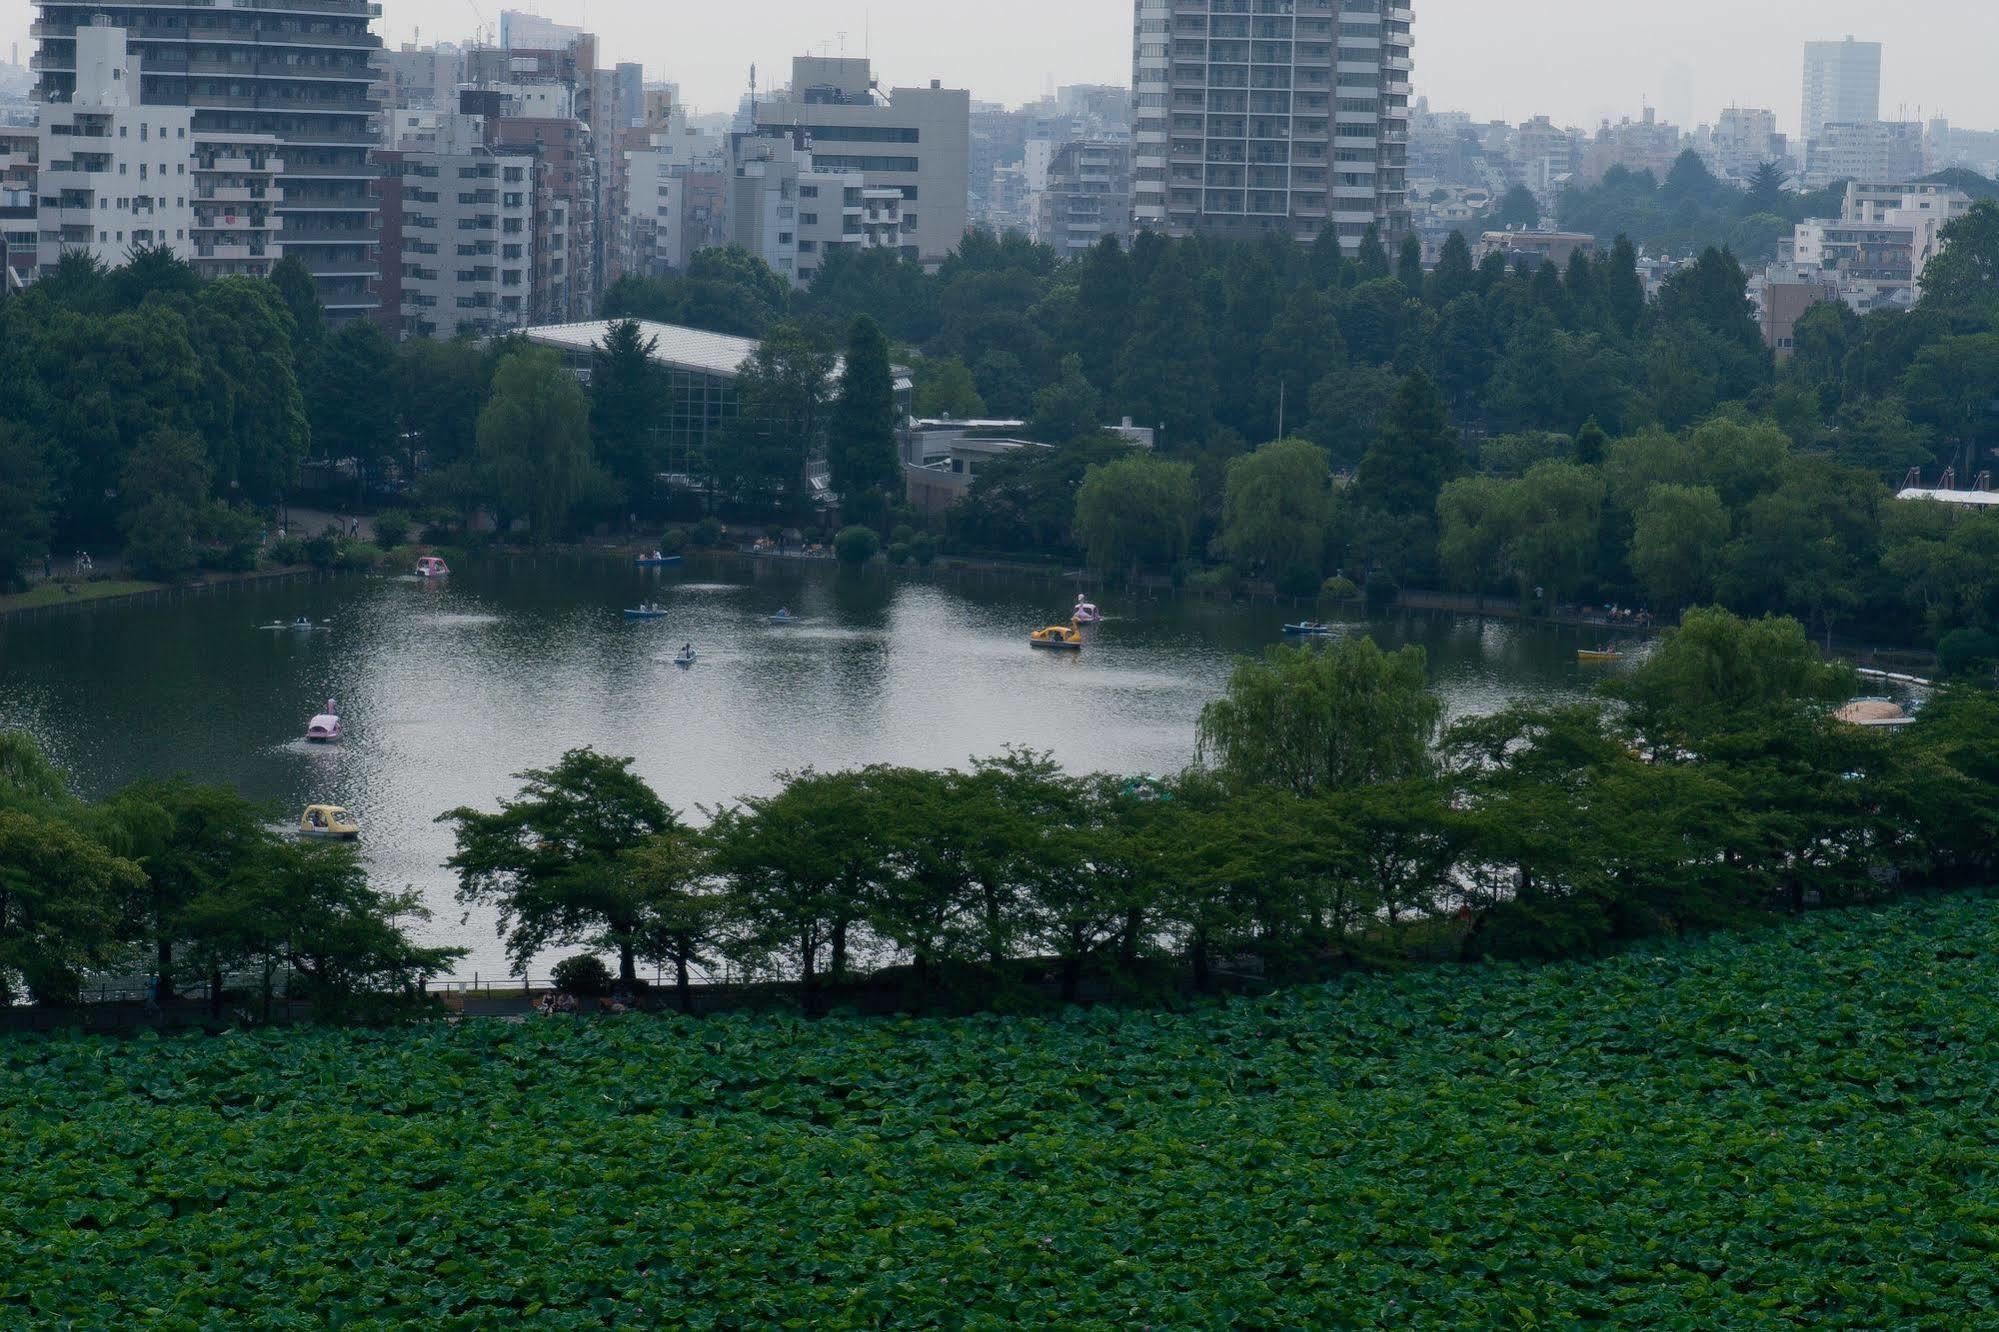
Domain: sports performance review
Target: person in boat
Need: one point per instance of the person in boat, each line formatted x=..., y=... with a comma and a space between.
x=687, y=649
x=316, y=819
x=783, y=613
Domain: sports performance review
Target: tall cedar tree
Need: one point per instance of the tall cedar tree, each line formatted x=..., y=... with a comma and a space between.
x=860, y=437
x=626, y=398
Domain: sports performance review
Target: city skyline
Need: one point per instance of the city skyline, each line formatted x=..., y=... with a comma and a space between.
x=1572, y=65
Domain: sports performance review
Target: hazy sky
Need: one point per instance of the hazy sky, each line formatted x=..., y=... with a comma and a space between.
x=1577, y=60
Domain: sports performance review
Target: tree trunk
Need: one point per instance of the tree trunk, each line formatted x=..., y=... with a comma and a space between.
x=628, y=963
x=215, y=990
x=1202, y=977
x=840, y=951
x=1127, y=947
x=680, y=983
x=163, y=986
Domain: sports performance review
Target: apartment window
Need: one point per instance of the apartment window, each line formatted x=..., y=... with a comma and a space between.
x=808, y=219
x=808, y=191
x=784, y=238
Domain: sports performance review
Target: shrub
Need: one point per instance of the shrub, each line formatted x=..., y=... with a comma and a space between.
x=354, y=557
x=1337, y=589
x=856, y=545
x=288, y=551
x=1300, y=580
x=708, y=532
x=923, y=549
x=321, y=552
x=673, y=541
x=903, y=533
x=584, y=975
x=392, y=528
x=1381, y=592
x=1221, y=578
x=1967, y=652
x=898, y=552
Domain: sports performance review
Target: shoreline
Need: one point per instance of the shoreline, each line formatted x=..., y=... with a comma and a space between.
x=1406, y=601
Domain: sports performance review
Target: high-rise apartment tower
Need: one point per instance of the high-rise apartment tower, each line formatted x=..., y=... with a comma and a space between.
x=1842, y=85
x=1260, y=115
x=294, y=70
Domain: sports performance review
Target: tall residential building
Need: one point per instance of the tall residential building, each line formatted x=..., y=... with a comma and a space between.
x=1842, y=85
x=293, y=73
x=1260, y=115
x=462, y=243
x=913, y=140
x=113, y=175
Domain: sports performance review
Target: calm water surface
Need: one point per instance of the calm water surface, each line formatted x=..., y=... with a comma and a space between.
x=446, y=690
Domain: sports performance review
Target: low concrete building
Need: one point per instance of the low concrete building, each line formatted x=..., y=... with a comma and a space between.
x=1534, y=247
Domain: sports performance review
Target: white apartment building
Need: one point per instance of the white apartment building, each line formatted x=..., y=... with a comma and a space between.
x=114, y=175
x=1744, y=139
x=467, y=235
x=1288, y=115
x=916, y=141
x=786, y=208
x=1842, y=85
x=1878, y=247
x=1865, y=150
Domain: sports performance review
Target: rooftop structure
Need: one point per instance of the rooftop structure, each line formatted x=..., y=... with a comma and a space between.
x=1842, y=85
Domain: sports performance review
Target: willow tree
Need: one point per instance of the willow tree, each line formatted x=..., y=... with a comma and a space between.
x=1309, y=721
x=534, y=440
x=1136, y=511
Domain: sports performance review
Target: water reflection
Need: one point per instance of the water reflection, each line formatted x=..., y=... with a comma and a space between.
x=448, y=688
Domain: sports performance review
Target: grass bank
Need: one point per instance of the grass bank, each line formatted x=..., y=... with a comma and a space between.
x=59, y=593
x=1787, y=1127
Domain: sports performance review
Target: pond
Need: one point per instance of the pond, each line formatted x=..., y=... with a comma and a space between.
x=447, y=688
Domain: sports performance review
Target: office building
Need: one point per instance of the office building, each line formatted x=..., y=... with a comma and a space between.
x=1842, y=85
x=912, y=140
x=255, y=71
x=531, y=32
x=1288, y=115
x=1868, y=150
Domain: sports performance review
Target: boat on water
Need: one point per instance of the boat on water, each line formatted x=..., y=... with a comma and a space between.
x=685, y=657
x=1086, y=612
x=646, y=612
x=1599, y=654
x=783, y=616
x=1309, y=629
x=432, y=566
x=330, y=822
x=1059, y=637
x=655, y=559
x=301, y=625
x=324, y=728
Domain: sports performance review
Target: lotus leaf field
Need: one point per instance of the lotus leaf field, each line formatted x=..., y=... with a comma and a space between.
x=1797, y=1126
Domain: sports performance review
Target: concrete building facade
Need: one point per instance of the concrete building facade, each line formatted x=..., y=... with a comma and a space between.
x=1086, y=196
x=1842, y=85
x=294, y=71
x=1286, y=115
x=463, y=247
x=1865, y=150
x=786, y=208
x=113, y=174
x=915, y=141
